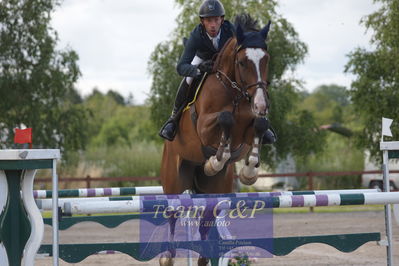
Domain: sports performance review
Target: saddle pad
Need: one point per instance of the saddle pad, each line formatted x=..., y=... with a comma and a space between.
x=197, y=90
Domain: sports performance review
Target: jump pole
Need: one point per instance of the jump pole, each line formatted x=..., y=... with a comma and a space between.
x=46, y=204
x=91, y=207
x=98, y=192
x=385, y=147
x=55, y=214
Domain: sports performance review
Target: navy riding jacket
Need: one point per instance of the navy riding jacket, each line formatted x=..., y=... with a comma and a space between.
x=199, y=44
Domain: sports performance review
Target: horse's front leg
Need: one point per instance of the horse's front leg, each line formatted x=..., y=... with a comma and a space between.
x=249, y=173
x=168, y=257
x=216, y=162
x=207, y=221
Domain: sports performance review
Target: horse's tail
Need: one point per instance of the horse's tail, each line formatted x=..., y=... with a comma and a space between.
x=246, y=22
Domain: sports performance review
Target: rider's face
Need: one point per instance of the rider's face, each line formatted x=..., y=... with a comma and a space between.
x=212, y=25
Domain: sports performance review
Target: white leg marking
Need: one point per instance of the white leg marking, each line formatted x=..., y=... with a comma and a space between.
x=249, y=173
x=218, y=165
x=213, y=166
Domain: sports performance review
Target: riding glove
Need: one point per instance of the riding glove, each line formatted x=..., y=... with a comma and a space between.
x=206, y=66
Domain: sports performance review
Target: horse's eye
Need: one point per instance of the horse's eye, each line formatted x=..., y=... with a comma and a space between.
x=241, y=63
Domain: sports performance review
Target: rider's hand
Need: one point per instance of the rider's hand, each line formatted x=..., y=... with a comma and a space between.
x=206, y=66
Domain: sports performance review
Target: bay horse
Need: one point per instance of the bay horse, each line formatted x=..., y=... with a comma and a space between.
x=224, y=124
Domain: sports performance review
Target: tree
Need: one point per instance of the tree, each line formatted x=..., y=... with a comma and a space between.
x=332, y=110
x=327, y=103
x=102, y=108
x=36, y=80
x=114, y=123
x=286, y=52
x=117, y=97
x=375, y=91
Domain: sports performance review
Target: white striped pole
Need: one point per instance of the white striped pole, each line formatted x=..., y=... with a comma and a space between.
x=99, y=192
x=46, y=204
x=377, y=198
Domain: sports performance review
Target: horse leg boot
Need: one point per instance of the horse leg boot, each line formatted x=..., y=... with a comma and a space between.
x=169, y=129
x=216, y=162
x=249, y=173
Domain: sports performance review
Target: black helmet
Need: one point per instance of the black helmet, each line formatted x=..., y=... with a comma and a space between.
x=211, y=8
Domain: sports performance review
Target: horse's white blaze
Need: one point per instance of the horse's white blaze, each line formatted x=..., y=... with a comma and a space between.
x=260, y=101
x=255, y=55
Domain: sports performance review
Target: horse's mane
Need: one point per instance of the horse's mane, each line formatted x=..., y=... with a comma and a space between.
x=246, y=22
x=220, y=54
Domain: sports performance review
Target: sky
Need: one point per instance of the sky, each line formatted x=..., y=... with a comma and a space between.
x=115, y=38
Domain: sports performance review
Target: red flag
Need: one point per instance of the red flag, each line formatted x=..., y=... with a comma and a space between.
x=23, y=136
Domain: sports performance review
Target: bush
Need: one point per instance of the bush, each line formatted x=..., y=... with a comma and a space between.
x=340, y=154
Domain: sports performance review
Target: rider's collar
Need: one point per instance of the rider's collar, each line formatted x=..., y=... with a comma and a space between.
x=217, y=36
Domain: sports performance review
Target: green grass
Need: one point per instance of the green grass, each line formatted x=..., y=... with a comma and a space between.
x=46, y=214
x=331, y=209
x=139, y=159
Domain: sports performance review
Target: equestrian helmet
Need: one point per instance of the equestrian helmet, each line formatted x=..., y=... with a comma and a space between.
x=211, y=8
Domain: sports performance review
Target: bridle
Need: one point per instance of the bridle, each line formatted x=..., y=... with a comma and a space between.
x=242, y=91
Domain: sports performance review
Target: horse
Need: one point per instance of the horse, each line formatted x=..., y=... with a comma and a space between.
x=225, y=124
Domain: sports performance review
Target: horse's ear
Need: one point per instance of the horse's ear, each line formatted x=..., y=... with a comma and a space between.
x=265, y=30
x=240, y=34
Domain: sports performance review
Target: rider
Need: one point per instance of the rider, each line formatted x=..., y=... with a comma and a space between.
x=205, y=41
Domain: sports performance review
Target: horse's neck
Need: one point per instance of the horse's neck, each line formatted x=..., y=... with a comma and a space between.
x=227, y=60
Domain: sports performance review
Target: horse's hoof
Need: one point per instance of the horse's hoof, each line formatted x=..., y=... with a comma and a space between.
x=203, y=261
x=166, y=260
x=247, y=180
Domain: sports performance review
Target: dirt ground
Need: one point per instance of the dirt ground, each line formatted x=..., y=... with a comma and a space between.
x=288, y=224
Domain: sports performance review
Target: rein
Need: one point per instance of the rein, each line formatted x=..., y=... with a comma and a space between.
x=243, y=93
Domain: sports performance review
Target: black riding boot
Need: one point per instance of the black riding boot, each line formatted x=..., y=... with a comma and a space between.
x=270, y=136
x=168, y=130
